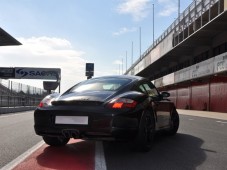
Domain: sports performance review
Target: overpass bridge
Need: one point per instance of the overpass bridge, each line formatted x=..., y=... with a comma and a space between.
x=189, y=60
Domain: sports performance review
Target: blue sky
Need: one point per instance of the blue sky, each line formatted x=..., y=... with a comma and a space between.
x=67, y=34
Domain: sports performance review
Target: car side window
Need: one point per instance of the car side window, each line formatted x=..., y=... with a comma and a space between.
x=147, y=88
x=142, y=89
x=152, y=91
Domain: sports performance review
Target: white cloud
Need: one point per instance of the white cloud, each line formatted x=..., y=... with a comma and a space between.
x=138, y=9
x=46, y=52
x=118, y=68
x=124, y=30
x=118, y=62
x=169, y=7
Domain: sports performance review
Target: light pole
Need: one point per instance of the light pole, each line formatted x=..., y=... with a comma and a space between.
x=122, y=65
x=179, y=9
x=132, y=52
x=153, y=23
x=140, y=42
x=126, y=62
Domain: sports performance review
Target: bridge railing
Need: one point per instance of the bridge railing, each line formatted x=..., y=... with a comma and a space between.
x=188, y=17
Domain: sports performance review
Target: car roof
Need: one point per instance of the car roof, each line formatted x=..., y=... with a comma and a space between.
x=133, y=78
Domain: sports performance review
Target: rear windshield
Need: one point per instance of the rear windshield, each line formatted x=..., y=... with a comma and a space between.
x=104, y=84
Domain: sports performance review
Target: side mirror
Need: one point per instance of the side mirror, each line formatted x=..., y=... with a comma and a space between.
x=164, y=95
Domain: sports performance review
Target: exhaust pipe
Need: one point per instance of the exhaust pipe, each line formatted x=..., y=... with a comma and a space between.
x=75, y=135
x=66, y=134
x=71, y=133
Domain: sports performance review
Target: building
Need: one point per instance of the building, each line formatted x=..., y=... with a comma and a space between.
x=189, y=60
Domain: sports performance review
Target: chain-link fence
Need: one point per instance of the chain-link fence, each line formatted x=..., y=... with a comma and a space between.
x=13, y=94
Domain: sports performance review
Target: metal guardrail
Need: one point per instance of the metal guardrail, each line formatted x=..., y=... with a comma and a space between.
x=13, y=94
x=7, y=86
x=15, y=101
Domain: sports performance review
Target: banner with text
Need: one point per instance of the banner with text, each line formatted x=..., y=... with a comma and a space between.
x=37, y=73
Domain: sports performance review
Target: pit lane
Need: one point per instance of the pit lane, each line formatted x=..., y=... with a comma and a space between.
x=200, y=144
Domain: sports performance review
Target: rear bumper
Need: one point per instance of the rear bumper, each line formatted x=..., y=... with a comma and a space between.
x=99, y=127
x=115, y=134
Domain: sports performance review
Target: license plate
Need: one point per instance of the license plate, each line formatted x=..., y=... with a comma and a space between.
x=75, y=120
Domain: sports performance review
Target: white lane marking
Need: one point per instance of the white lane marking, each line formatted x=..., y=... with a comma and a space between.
x=100, y=162
x=220, y=121
x=190, y=119
x=22, y=157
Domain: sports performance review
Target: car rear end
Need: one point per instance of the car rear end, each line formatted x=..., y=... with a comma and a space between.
x=100, y=108
x=94, y=120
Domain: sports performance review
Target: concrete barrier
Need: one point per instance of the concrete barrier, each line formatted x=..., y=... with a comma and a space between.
x=16, y=109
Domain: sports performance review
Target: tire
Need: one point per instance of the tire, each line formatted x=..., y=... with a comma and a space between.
x=146, y=132
x=175, y=121
x=55, y=141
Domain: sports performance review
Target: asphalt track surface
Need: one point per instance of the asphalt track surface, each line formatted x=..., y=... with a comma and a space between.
x=201, y=143
x=16, y=135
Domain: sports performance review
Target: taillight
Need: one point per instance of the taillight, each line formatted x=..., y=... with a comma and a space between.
x=122, y=103
x=45, y=102
x=41, y=104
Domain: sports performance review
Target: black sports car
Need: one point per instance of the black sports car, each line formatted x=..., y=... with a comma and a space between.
x=107, y=108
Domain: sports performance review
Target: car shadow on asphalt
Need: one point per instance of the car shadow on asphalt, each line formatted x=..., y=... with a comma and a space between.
x=181, y=151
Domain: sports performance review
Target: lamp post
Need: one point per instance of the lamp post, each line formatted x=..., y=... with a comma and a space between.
x=153, y=23
x=140, y=42
x=126, y=60
x=179, y=9
x=122, y=65
x=132, y=52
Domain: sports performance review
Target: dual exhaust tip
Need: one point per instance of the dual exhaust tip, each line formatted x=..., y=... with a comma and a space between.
x=71, y=133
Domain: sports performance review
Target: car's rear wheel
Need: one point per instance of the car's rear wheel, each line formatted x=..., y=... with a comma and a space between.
x=146, y=132
x=55, y=141
x=175, y=123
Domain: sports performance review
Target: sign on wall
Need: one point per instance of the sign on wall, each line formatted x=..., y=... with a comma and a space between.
x=182, y=75
x=201, y=69
x=220, y=63
x=168, y=79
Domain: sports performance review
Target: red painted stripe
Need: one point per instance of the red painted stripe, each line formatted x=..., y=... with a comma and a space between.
x=76, y=155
